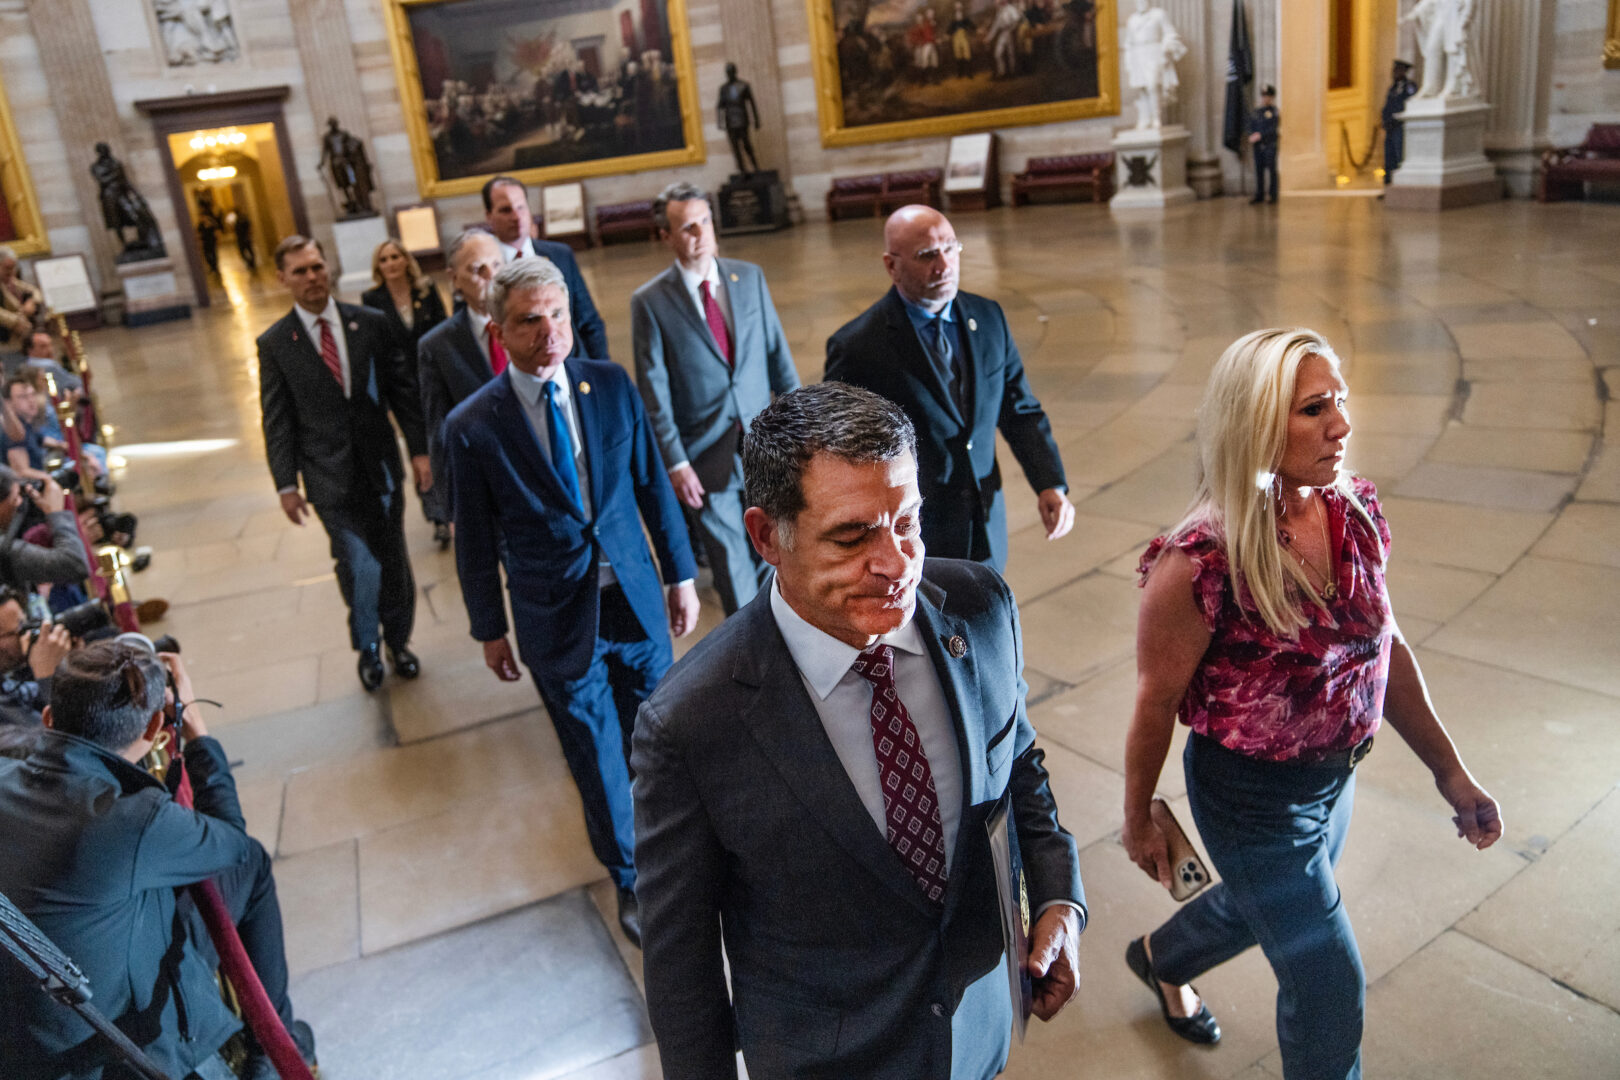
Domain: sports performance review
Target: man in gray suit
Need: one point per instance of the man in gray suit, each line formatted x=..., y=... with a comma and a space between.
x=817, y=782
x=709, y=354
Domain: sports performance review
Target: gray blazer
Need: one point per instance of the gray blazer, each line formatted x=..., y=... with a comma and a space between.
x=698, y=405
x=749, y=831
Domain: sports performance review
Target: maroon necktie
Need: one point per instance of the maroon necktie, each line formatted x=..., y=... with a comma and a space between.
x=912, y=821
x=329, y=350
x=497, y=355
x=717, y=321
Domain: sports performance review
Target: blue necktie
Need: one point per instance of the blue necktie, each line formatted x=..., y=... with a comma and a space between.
x=562, y=447
x=943, y=355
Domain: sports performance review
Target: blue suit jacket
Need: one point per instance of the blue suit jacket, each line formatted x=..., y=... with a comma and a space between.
x=749, y=830
x=510, y=510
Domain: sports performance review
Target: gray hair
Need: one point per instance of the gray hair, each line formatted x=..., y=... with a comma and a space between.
x=834, y=418
x=462, y=240
x=532, y=272
x=7, y=255
x=680, y=191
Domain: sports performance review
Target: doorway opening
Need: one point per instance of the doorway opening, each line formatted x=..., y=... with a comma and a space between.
x=235, y=195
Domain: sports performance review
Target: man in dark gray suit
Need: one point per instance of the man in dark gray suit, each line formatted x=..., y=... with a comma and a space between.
x=816, y=783
x=710, y=353
x=461, y=354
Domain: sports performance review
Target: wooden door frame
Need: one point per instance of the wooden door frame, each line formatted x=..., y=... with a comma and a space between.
x=234, y=108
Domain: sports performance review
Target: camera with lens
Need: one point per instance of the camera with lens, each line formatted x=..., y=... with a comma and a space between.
x=85, y=618
x=66, y=476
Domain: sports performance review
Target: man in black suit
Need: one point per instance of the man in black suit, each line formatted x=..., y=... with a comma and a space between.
x=462, y=353
x=507, y=214
x=329, y=374
x=948, y=359
x=818, y=781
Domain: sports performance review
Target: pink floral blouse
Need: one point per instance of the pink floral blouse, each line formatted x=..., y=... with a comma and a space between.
x=1280, y=699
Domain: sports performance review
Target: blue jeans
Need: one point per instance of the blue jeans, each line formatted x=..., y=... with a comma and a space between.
x=594, y=716
x=1275, y=833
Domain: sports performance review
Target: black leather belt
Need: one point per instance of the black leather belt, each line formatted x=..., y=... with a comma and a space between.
x=1338, y=759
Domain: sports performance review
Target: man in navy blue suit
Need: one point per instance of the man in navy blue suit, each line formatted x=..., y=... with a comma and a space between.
x=549, y=466
x=506, y=212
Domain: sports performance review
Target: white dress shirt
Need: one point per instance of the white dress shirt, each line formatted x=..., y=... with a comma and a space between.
x=479, y=324
x=335, y=321
x=523, y=247
x=843, y=701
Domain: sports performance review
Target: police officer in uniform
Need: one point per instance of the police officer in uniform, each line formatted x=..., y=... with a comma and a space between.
x=1400, y=88
x=1263, y=123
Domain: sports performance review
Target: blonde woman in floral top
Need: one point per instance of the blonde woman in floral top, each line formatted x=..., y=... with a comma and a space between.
x=1266, y=627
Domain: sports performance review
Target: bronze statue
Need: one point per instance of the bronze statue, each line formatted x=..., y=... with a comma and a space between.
x=122, y=207
x=735, y=104
x=344, y=156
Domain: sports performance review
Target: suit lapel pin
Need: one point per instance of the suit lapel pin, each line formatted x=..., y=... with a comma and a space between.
x=733, y=277
x=584, y=387
x=957, y=646
x=973, y=324
x=354, y=326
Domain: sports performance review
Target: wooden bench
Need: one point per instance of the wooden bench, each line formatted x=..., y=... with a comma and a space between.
x=1565, y=172
x=626, y=221
x=876, y=194
x=1068, y=175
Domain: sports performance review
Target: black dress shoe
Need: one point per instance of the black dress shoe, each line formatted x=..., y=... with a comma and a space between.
x=630, y=916
x=1201, y=1027
x=406, y=665
x=257, y=1065
x=371, y=666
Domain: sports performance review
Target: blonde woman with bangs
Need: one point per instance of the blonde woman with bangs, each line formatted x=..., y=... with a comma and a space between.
x=1266, y=626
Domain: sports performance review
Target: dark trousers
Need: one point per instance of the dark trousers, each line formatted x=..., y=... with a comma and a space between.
x=1275, y=833
x=373, y=567
x=738, y=571
x=1265, y=166
x=594, y=716
x=249, y=892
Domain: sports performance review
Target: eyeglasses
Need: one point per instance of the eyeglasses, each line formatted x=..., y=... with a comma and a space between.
x=947, y=249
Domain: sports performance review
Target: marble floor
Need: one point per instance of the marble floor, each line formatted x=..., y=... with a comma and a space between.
x=419, y=830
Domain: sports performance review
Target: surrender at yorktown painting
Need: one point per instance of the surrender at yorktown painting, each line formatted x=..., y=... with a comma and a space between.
x=902, y=60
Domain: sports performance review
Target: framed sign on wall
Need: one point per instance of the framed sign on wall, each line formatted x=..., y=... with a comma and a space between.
x=545, y=90
x=899, y=69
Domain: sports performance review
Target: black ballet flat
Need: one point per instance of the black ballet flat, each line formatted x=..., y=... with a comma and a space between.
x=1201, y=1027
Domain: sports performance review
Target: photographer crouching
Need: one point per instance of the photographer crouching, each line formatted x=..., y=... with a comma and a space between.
x=29, y=653
x=96, y=852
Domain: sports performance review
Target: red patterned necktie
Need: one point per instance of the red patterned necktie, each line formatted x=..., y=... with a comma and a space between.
x=717, y=321
x=912, y=821
x=497, y=355
x=329, y=350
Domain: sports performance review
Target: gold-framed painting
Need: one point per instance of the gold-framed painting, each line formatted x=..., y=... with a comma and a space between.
x=1611, y=38
x=22, y=225
x=544, y=90
x=901, y=69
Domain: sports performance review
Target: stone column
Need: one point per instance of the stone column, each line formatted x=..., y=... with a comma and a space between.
x=749, y=37
x=331, y=73
x=1514, y=41
x=81, y=94
x=1201, y=83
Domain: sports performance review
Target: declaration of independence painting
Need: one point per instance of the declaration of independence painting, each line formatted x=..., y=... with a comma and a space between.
x=547, y=90
x=895, y=69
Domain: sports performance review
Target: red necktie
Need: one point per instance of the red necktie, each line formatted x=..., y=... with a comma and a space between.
x=717, y=321
x=497, y=355
x=329, y=350
x=912, y=822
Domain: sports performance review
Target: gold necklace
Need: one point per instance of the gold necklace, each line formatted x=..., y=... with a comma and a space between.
x=1330, y=588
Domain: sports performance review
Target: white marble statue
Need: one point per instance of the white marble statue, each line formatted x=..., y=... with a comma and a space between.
x=1443, y=42
x=1152, y=48
x=196, y=31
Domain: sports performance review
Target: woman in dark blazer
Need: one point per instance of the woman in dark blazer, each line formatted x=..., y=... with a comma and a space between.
x=412, y=305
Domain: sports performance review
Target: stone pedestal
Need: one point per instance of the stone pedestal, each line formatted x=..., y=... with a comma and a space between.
x=357, y=239
x=1445, y=164
x=1150, y=169
x=151, y=292
x=1204, y=175
x=753, y=203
